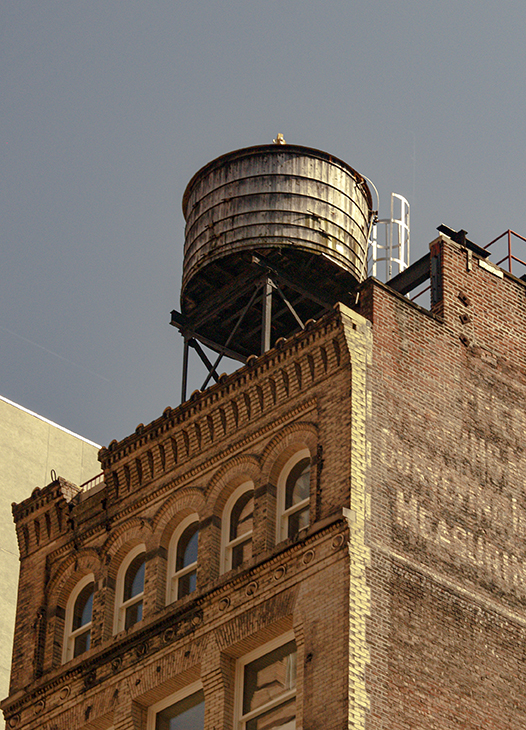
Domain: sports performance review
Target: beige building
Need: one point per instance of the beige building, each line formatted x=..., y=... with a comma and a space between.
x=31, y=447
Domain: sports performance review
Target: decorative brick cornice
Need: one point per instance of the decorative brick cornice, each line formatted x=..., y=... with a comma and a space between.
x=221, y=393
x=58, y=489
x=186, y=478
x=142, y=459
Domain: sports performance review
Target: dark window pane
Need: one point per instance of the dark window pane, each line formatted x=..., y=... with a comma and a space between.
x=188, y=714
x=241, y=553
x=133, y=614
x=269, y=676
x=298, y=483
x=82, y=643
x=186, y=584
x=187, y=546
x=241, y=515
x=134, y=578
x=298, y=520
x=83, y=607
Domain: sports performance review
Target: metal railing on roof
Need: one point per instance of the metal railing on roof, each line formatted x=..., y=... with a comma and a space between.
x=509, y=257
x=93, y=482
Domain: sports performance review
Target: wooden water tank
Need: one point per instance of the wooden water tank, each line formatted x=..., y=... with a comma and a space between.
x=305, y=211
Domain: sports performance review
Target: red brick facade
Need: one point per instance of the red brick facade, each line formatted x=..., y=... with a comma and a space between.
x=406, y=593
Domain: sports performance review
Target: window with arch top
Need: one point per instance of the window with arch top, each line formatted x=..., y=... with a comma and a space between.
x=130, y=589
x=294, y=495
x=236, y=528
x=79, y=609
x=182, y=560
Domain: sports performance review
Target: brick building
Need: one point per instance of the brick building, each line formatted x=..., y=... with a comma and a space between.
x=331, y=537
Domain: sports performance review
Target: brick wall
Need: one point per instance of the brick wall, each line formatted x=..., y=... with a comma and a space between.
x=448, y=472
x=407, y=593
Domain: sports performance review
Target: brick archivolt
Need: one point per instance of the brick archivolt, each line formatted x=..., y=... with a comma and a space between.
x=291, y=439
x=174, y=510
x=131, y=533
x=156, y=532
x=69, y=572
x=239, y=469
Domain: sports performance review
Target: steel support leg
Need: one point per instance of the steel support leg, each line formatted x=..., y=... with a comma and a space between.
x=185, y=371
x=266, y=317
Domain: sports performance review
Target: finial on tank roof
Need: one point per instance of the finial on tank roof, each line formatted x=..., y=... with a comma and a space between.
x=280, y=139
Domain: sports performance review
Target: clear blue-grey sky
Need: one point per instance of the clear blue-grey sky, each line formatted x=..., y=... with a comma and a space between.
x=108, y=108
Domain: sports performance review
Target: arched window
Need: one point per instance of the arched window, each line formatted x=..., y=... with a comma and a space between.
x=130, y=589
x=237, y=523
x=77, y=635
x=294, y=495
x=182, y=560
